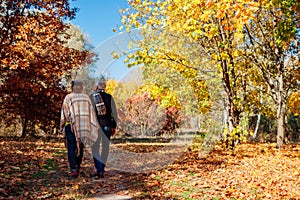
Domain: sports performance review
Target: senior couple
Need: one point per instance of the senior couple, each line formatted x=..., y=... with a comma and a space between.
x=87, y=121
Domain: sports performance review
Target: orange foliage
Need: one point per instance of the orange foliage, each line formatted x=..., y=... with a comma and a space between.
x=34, y=58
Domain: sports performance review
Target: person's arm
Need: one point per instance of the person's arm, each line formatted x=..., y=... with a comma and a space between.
x=63, y=117
x=114, y=115
x=91, y=96
x=114, y=112
x=62, y=121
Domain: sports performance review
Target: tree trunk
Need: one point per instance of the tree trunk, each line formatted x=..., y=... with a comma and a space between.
x=25, y=123
x=259, y=115
x=232, y=122
x=280, y=131
x=257, y=126
x=280, y=124
x=280, y=114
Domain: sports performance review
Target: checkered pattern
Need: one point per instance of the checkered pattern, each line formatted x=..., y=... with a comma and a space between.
x=77, y=109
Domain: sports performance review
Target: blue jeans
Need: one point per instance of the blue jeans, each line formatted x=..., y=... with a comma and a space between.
x=104, y=135
x=74, y=159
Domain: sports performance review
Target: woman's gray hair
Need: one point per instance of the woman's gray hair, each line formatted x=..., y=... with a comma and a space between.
x=77, y=86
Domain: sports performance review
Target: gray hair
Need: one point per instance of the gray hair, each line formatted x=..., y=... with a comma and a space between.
x=101, y=84
x=77, y=86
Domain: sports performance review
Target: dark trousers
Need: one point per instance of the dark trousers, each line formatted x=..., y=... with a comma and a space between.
x=104, y=135
x=74, y=159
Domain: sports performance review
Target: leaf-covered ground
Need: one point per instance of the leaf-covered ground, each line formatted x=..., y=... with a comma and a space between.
x=38, y=169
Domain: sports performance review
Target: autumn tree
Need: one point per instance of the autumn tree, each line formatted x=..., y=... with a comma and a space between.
x=213, y=28
x=272, y=40
x=141, y=116
x=138, y=114
x=170, y=63
x=77, y=40
x=34, y=56
x=219, y=29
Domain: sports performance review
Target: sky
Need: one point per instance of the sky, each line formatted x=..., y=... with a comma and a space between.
x=97, y=19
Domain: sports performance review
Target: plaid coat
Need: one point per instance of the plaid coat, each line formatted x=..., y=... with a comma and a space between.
x=78, y=110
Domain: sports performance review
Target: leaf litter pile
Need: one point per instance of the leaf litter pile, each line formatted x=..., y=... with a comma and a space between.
x=38, y=169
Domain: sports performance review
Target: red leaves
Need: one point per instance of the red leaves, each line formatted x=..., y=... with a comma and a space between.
x=33, y=59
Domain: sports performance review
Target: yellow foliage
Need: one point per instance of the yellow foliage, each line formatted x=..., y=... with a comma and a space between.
x=165, y=97
x=111, y=86
x=215, y=25
x=294, y=103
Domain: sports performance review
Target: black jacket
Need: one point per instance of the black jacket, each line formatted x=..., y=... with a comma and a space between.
x=110, y=119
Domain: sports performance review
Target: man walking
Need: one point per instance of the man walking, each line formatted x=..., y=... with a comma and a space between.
x=78, y=124
x=106, y=113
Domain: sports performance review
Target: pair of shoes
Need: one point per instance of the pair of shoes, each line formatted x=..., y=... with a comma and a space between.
x=74, y=174
x=98, y=175
x=77, y=168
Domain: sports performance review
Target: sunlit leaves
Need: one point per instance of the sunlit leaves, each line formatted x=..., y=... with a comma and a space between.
x=288, y=23
x=162, y=95
x=38, y=169
x=141, y=116
x=294, y=103
x=244, y=41
x=34, y=56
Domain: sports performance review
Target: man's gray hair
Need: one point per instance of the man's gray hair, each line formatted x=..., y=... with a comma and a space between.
x=101, y=84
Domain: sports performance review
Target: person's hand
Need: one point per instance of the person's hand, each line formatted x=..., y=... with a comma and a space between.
x=65, y=142
x=113, y=131
x=61, y=130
